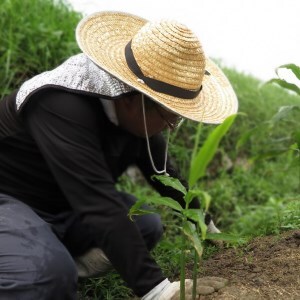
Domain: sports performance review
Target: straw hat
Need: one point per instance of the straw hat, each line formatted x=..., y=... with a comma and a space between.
x=163, y=60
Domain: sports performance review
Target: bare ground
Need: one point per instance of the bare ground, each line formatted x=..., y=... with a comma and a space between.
x=267, y=268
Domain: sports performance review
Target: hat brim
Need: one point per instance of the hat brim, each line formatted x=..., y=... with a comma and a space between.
x=103, y=36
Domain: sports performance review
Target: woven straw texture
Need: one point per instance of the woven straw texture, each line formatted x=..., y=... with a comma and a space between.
x=166, y=51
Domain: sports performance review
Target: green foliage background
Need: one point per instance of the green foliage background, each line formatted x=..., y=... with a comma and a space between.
x=250, y=197
x=35, y=36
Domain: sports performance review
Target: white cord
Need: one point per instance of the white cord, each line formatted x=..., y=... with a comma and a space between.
x=164, y=171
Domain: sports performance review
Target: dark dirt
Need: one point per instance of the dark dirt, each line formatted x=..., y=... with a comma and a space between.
x=267, y=268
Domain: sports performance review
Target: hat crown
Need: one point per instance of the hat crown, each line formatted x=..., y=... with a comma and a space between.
x=162, y=60
x=169, y=52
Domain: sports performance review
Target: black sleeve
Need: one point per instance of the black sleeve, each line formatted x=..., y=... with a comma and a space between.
x=67, y=130
x=158, y=146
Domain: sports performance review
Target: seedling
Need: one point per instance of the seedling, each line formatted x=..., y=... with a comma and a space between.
x=192, y=223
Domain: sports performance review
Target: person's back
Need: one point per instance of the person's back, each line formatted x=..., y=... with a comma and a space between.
x=69, y=133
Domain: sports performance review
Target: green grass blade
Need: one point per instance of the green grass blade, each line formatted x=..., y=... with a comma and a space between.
x=285, y=84
x=208, y=150
x=196, y=143
x=294, y=68
x=284, y=111
x=226, y=237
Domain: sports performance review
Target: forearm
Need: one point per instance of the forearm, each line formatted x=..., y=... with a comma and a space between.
x=67, y=133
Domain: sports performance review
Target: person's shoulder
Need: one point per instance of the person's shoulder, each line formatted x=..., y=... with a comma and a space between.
x=70, y=105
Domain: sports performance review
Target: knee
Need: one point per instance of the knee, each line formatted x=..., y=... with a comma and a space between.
x=157, y=227
x=60, y=268
x=42, y=273
x=149, y=225
x=151, y=229
x=58, y=273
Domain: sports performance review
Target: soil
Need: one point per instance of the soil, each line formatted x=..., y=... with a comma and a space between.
x=267, y=268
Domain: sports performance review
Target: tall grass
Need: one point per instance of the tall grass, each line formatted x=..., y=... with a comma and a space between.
x=35, y=36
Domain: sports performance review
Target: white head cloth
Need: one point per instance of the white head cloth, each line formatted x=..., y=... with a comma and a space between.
x=77, y=73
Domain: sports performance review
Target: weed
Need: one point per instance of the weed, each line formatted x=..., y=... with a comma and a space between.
x=191, y=221
x=35, y=40
x=108, y=287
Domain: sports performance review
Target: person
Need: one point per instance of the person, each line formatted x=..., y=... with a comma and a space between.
x=66, y=135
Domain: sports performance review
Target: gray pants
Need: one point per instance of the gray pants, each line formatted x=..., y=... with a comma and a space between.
x=34, y=264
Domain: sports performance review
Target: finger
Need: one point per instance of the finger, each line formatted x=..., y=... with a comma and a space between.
x=215, y=278
x=188, y=289
x=216, y=285
x=205, y=290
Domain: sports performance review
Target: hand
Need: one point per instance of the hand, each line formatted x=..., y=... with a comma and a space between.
x=209, y=284
x=93, y=263
x=205, y=286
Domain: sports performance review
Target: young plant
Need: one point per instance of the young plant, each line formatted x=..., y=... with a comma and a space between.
x=285, y=84
x=278, y=140
x=192, y=224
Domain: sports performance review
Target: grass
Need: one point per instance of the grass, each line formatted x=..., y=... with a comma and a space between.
x=109, y=287
x=249, y=197
x=35, y=36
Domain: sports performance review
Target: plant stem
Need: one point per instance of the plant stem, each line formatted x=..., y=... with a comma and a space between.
x=298, y=169
x=182, y=267
x=195, y=273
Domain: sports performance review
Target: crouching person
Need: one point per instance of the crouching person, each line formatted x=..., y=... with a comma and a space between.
x=68, y=134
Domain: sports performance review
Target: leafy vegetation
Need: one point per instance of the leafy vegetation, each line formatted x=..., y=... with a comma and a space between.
x=191, y=221
x=35, y=36
x=253, y=180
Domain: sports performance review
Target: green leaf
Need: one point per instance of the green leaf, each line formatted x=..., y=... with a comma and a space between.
x=172, y=182
x=197, y=138
x=189, y=229
x=191, y=194
x=268, y=154
x=296, y=138
x=284, y=84
x=197, y=216
x=294, y=68
x=208, y=150
x=205, y=198
x=136, y=208
x=56, y=34
x=166, y=201
x=226, y=237
x=245, y=137
x=284, y=111
x=156, y=200
x=294, y=146
x=140, y=212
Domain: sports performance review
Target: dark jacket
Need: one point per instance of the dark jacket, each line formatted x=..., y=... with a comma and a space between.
x=62, y=154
